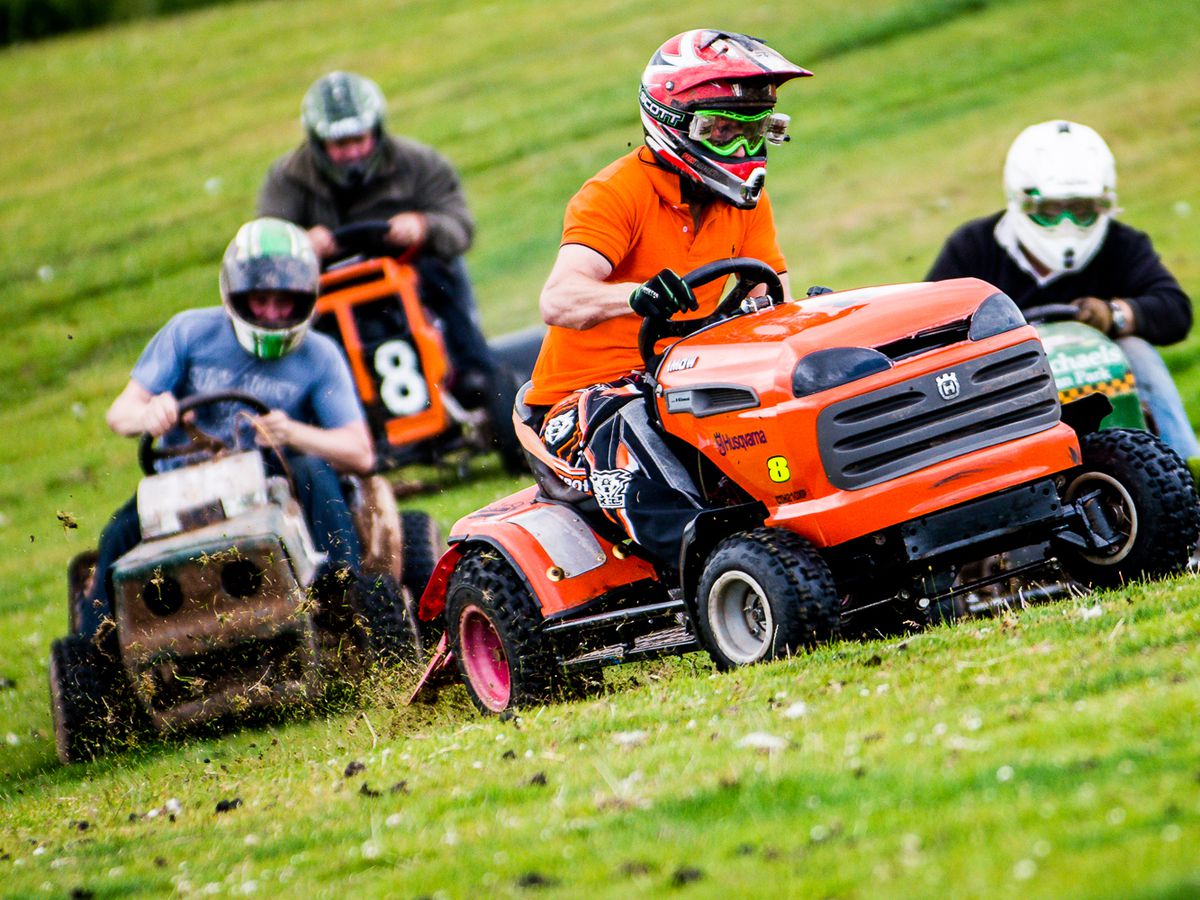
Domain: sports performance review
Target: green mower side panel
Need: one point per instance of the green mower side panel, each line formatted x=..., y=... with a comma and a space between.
x=1084, y=361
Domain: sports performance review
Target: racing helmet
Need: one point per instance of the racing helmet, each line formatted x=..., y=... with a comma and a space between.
x=341, y=105
x=1060, y=179
x=269, y=255
x=707, y=102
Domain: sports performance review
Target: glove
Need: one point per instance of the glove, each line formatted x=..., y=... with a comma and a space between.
x=1094, y=312
x=662, y=296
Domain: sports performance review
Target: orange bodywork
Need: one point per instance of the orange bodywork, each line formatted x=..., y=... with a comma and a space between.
x=770, y=445
x=510, y=526
x=342, y=290
x=771, y=449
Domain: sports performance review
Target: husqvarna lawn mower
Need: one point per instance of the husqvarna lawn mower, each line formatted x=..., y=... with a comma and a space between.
x=855, y=450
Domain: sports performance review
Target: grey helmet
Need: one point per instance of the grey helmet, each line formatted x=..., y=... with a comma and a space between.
x=269, y=254
x=341, y=105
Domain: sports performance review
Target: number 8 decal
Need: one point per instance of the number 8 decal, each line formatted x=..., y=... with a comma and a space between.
x=401, y=384
x=777, y=468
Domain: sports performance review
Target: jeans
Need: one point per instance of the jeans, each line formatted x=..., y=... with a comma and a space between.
x=318, y=490
x=1157, y=390
x=445, y=288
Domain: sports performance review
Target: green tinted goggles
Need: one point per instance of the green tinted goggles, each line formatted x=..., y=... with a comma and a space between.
x=724, y=132
x=1083, y=211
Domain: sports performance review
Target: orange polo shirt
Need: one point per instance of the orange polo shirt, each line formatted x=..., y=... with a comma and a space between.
x=631, y=213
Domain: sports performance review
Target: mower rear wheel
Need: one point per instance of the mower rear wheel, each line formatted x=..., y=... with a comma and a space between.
x=422, y=549
x=1135, y=486
x=494, y=625
x=385, y=621
x=764, y=594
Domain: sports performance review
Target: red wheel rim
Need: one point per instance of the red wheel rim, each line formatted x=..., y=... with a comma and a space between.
x=484, y=659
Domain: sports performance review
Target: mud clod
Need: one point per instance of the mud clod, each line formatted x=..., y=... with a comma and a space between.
x=538, y=779
x=536, y=880
x=686, y=875
x=353, y=768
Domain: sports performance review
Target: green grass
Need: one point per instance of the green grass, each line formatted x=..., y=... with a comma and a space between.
x=1047, y=753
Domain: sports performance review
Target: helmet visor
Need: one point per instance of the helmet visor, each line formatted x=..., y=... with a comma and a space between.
x=1083, y=211
x=725, y=133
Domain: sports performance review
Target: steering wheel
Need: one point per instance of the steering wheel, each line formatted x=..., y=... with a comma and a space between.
x=1051, y=312
x=365, y=239
x=750, y=273
x=201, y=441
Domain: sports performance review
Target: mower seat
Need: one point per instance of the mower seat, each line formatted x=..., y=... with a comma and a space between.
x=527, y=420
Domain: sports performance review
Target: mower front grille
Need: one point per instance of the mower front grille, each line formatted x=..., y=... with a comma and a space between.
x=907, y=426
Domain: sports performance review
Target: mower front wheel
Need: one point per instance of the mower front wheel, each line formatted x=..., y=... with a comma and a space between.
x=494, y=624
x=765, y=594
x=1139, y=493
x=90, y=702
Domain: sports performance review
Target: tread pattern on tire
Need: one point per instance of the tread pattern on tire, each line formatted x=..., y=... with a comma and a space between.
x=384, y=622
x=422, y=549
x=791, y=559
x=1162, y=488
x=492, y=584
x=94, y=710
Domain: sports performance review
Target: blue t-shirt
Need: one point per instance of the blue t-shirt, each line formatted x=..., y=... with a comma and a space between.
x=197, y=352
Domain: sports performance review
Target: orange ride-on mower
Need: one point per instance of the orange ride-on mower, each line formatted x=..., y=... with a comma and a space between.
x=855, y=449
x=216, y=613
x=370, y=305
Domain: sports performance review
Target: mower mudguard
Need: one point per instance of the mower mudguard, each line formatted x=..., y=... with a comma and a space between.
x=561, y=558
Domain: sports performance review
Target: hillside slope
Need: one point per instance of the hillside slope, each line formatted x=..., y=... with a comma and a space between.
x=133, y=153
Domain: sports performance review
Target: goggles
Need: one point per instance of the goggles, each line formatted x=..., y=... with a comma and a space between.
x=724, y=132
x=1083, y=211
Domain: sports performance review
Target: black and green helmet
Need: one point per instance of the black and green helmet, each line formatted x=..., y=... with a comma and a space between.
x=269, y=255
x=342, y=105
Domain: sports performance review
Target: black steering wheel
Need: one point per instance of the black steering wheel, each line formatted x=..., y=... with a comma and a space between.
x=1051, y=312
x=201, y=441
x=365, y=240
x=750, y=272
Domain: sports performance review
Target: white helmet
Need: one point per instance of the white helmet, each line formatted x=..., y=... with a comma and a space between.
x=1061, y=182
x=269, y=254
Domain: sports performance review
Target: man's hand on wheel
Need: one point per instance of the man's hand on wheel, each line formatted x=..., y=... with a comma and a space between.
x=1095, y=312
x=406, y=229
x=662, y=296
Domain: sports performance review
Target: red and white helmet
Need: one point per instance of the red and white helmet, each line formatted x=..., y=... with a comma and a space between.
x=707, y=99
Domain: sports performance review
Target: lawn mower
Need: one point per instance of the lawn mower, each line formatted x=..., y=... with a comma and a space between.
x=370, y=305
x=216, y=613
x=854, y=449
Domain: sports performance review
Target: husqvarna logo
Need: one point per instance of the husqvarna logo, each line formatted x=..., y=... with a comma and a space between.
x=947, y=385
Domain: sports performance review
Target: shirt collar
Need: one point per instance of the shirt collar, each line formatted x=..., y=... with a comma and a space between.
x=663, y=180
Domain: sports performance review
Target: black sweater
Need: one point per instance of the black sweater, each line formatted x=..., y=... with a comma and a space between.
x=1125, y=267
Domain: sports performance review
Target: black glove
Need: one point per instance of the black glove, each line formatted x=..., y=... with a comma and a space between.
x=662, y=296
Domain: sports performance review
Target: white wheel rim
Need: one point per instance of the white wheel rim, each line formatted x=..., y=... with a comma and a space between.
x=1129, y=524
x=740, y=618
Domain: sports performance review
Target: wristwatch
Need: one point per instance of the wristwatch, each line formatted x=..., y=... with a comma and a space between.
x=1120, y=319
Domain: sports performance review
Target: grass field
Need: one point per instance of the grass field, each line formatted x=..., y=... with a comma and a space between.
x=1051, y=752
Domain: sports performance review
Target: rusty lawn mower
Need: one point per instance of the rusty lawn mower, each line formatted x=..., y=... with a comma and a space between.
x=215, y=613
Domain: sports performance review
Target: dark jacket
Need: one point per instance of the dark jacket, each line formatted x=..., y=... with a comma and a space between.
x=411, y=178
x=1125, y=267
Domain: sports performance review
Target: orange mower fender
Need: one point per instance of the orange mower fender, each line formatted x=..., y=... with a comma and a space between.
x=562, y=560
